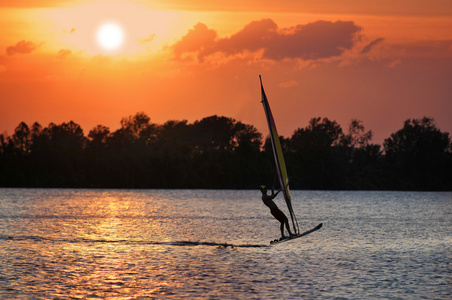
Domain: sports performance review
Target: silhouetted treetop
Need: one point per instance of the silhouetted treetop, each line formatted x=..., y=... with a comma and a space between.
x=221, y=152
x=320, y=134
x=421, y=153
x=98, y=135
x=356, y=137
x=417, y=139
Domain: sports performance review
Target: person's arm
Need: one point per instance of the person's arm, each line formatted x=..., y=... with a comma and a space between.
x=274, y=195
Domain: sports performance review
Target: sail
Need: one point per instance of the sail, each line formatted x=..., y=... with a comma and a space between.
x=279, y=158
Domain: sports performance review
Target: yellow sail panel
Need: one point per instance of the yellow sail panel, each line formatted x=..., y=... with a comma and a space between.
x=280, y=160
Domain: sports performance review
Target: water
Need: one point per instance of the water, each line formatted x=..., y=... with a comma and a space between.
x=145, y=244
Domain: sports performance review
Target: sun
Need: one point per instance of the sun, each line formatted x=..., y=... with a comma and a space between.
x=110, y=36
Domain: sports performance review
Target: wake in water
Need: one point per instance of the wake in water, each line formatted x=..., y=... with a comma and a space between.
x=134, y=242
x=224, y=245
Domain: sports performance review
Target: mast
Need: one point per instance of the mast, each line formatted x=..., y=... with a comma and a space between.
x=279, y=158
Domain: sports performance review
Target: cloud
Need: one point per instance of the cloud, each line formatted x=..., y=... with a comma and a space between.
x=434, y=49
x=63, y=53
x=101, y=59
x=71, y=31
x=198, y=39
x=369, y=47
x=318, y=40
x=288, y=84
x=147, y=39
x=22, y=47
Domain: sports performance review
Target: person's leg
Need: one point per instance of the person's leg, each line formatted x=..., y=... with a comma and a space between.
x=288, y=227
x=282, y=230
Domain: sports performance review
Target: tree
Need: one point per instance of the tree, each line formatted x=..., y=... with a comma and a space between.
x=57, y=156
x=175, y=145
x=314, y=157
x=215, y=141
x=22, y=138
x=356, y=137
x=98, y=169
x=419, y=155
x=319, y=134
x=98, y=136
x=361, y=159
x=220, y=152
x=215, y=133
x=128, y=150
x=247, y=136
x=246, y=166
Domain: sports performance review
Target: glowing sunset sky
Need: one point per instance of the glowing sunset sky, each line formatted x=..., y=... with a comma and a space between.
x=381, y=62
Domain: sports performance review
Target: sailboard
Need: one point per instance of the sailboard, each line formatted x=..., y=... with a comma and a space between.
x=297, y=235
x=280, y=164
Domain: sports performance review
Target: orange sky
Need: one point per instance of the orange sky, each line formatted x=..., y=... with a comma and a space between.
x=381, y=62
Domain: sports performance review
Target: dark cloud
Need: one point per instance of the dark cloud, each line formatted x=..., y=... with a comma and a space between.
x=22, y=47
x=434, y=49
x=318, y=40
x=321, y=39
x=197, y=39
x=371, y=45
x=254, y=36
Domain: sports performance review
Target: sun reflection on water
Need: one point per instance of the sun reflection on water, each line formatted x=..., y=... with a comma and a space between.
x=144, y=244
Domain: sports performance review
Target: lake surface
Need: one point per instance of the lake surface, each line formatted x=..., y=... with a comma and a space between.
x=141, y=244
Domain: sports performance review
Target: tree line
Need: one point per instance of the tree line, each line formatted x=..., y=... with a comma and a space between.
x=218, y=152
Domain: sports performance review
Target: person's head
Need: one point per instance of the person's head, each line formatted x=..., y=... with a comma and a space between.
x=263, y=189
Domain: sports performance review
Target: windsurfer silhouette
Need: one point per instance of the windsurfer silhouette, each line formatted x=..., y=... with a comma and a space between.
x=274, y=210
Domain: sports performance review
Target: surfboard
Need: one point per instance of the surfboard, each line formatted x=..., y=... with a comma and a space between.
x=296, y=236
